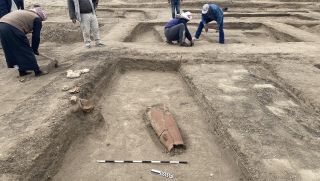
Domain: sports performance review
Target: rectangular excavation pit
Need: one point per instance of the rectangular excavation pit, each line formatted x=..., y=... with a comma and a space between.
x=127, y=136
x=311, y=27
x=240, y=32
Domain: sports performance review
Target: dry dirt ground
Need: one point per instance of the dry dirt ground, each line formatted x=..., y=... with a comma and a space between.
x=247, y=110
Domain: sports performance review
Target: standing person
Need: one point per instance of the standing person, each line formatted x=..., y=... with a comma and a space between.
x=211, y=12
x=175, y=6
x=13, y=29
x=85, y=12
x=176, y=29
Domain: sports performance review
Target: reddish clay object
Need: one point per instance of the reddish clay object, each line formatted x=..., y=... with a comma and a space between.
x=86, y=105
x=165, y=126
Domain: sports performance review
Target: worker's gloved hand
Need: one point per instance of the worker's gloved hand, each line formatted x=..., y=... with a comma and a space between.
x=74, y=21
x=36, y=52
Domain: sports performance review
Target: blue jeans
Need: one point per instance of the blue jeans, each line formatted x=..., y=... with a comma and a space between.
x=175, y=6
x=220, y=26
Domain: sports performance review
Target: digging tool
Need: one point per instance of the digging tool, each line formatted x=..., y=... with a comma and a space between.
x=53, y=60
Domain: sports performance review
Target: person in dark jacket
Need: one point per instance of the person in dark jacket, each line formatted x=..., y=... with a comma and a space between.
x=13, y=29
x=211, y=12
x=85, y=12
x=176, y=29
x=175, y=7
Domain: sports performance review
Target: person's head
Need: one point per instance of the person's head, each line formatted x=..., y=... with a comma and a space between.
x=187, y=16
x=205, y=9
x=43, y=16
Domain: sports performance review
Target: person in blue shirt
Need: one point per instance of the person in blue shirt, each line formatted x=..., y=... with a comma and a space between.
x=211, y=12
x=176, y=30
x=175, y=6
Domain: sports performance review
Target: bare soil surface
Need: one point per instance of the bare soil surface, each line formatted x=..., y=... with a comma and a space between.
x=128, y=136
x=248, y=109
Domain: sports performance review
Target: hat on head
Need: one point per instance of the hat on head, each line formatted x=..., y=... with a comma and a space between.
x=187, y=15
x=205, y=9
x=40, y=13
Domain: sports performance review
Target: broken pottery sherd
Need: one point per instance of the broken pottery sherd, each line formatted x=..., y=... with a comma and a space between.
x=73, y=74
x=86, y=105
x=165, y=126
x=84, y=71
x=74, y=90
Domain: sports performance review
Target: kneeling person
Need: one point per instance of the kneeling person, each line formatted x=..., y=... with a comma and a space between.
x=176, y=29
x=13, y=29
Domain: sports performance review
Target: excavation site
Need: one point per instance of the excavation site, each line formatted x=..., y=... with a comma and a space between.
x=135, y=105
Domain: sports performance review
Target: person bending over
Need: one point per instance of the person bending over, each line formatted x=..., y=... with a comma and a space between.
x=211, y=12
x=13, y=29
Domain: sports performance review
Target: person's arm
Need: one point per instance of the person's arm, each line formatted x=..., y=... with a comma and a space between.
x=37, y=25
x=72, y=11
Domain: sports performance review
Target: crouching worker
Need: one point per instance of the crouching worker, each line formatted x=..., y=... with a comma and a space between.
x=13, y=29
x=176, y=29
x=211, y=12
x=85, y=12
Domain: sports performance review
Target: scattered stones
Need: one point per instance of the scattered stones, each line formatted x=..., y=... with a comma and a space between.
x=263, y=86
x=65, y=88
x=74, y=90
x=72, y=74
x=73, y=99
x=76, y=73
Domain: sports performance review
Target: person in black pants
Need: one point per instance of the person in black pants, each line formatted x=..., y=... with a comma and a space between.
x=176, y=29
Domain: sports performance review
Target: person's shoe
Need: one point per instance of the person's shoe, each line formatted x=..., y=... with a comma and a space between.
x=39, y=73
x=100, y=44
x=184, y=44
x=23, y=73
x=169, y=42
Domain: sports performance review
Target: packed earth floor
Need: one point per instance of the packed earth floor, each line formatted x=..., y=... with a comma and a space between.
x=247, y=110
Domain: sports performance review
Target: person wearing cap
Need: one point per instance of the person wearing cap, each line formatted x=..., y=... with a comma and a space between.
x=176, y=29
x=13, y=29
x=211, y=12
x=175, y=7
x=85, y=12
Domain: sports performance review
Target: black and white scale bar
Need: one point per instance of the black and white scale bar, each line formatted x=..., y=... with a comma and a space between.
x=141, y=161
